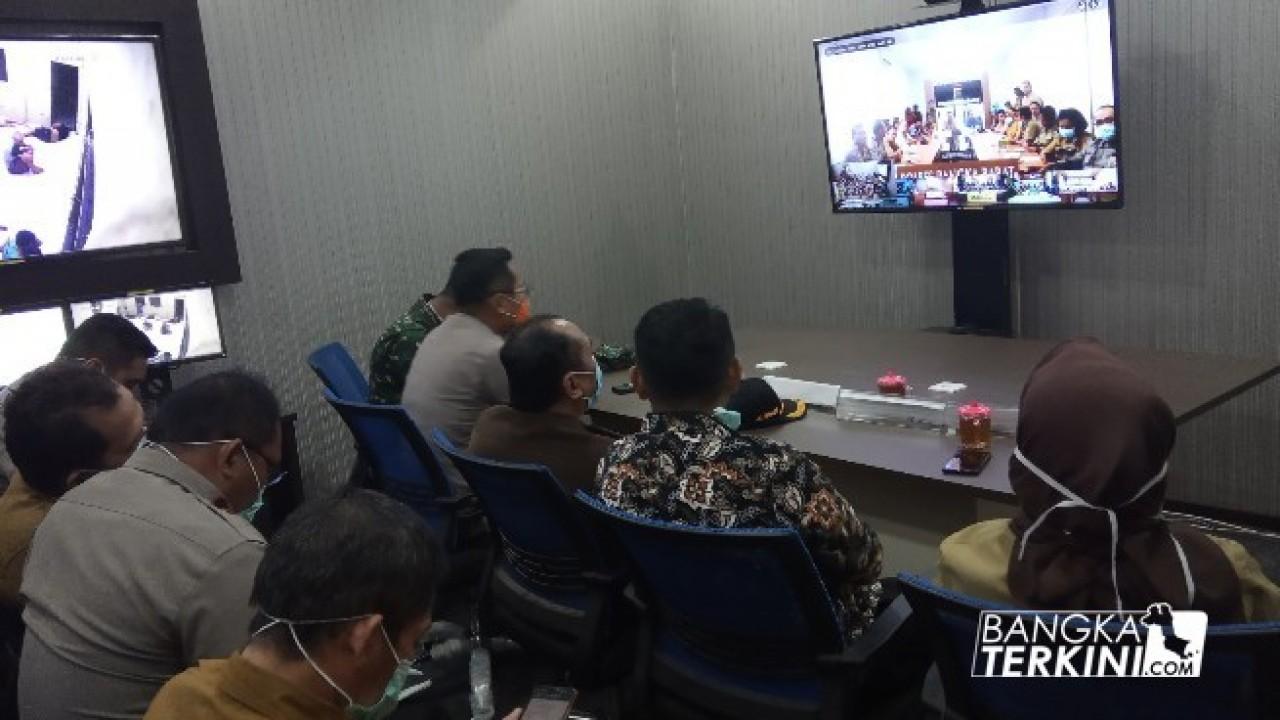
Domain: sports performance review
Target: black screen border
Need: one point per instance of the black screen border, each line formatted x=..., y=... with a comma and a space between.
x=1116, y=204
x=206, y=254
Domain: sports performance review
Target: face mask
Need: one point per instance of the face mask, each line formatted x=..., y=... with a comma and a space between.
x=524, y=310
x=390, y=699
x=1106, y=131
x=599, y=375
x=731, y=419
x=1071, y=500
x=250, y=512
x=1068, y=133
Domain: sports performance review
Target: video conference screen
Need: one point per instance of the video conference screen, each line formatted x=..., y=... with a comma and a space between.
x=85, y=149
x=183, y=325
x=1014, y=107
x=30, y=339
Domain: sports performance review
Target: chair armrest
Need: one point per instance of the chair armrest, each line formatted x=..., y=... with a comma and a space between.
x=886, y=625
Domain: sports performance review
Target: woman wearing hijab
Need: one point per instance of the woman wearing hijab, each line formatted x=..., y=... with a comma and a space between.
x=1090, y=474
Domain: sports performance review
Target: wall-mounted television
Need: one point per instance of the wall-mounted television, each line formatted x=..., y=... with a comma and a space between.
x=111, y=175
x=30, y=339
x=183, y=324
x=1015, y=106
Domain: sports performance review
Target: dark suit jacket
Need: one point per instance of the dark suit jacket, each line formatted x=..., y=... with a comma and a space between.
x=562, y=443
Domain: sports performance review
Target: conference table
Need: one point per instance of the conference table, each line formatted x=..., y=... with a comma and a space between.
x=898, y=470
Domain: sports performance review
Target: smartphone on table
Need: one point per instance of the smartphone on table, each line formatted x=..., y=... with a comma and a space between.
x=549, y=703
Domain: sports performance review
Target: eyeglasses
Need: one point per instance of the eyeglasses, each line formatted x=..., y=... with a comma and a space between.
x=521, y=290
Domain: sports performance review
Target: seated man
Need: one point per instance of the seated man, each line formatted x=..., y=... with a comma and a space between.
x=456, y=374
x=685, y=465
x=22, y=160
x=554, y=379
x=107, y=343
x=393, y=353
x=1102, y=150
x=329, y=648
x=65, y=422
x=140, y=572
x=1093, y=435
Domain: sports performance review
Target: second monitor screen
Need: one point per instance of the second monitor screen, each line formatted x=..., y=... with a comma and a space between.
x=86, y=164
x=182, y=325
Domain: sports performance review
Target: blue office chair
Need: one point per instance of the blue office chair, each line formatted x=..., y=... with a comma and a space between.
x=339, y=372
x=553, y=586
x=1237, y=678
x=742, y=624
x=406, y=466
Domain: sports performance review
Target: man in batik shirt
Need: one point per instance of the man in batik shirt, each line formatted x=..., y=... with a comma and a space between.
x=689, y=464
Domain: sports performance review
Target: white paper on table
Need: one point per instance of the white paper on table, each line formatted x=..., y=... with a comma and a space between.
x=949, y=388
x=771, y=365
x=813, y=393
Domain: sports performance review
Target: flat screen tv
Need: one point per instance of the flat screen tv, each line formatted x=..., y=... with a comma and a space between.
x=31, y=339
x=1011, y=107
x=111, y=176
x=183, y=324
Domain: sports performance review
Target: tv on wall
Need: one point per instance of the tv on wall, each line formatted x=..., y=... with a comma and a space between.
x=111, y=175
x=1012, y=107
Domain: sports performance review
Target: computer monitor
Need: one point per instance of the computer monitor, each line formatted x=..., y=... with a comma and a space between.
x=30, y=339
x=183, y=324
x=1012, y=107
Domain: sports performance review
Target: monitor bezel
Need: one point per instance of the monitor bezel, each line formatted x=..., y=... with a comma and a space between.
x=1116, y=204
x=206, y=254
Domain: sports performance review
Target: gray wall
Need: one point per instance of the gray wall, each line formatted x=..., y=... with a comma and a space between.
x=367, y=142
x=630, y=152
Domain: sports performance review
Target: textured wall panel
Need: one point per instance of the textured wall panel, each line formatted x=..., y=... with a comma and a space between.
x=367, y=142
x=761, y=236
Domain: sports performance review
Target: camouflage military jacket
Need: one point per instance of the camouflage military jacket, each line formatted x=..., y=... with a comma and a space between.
x=393, y=353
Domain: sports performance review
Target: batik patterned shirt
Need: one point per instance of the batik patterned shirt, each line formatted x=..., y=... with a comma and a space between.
x=393, y=353
x=691, y=469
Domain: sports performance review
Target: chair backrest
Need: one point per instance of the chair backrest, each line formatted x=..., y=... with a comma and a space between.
x=339, y=372
x=750, y=598
x=400, y=455
x=1236, y=678
x=544, y=534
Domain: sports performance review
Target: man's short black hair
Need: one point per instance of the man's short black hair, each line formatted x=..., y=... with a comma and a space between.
x=45, y=428
x=1024, y=112
x=227, y=405
x=479, y=273
x=356, y=554
x=109, y=338
x=537, y=356
x=684, y=349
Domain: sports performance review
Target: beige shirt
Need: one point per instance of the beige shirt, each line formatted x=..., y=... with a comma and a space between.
x=21, y=510
x=133, y=577
x=456, y=375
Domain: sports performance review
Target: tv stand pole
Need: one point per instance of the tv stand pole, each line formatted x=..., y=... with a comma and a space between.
x=982, y=273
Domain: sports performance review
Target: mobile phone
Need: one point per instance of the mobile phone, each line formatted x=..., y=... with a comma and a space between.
x=549, y=703
x=625, y=388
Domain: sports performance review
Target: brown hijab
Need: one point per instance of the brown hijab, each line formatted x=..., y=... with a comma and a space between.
x=1093, y=428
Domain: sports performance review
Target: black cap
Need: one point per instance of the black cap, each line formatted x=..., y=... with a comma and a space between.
x=761, y=407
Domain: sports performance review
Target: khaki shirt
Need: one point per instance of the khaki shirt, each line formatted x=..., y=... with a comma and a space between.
x=21, y=510
x=235, y=689
x=133, y=577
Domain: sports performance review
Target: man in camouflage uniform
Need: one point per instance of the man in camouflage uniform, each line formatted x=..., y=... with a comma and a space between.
x=393, y=353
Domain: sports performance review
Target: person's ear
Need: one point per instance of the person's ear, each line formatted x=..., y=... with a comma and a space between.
x=637, y=381
x=570, y=388
x=734, y=378
x=230, y=454
x=360, y=638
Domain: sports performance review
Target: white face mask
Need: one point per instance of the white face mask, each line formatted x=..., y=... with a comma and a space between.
x=1072, y=500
